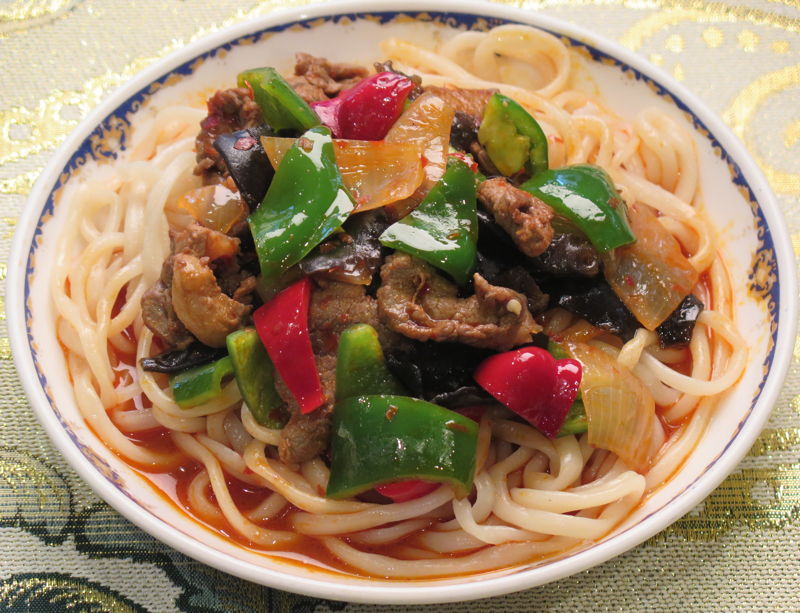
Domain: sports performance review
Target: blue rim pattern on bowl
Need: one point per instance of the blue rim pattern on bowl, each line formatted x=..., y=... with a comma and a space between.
x=112, y=133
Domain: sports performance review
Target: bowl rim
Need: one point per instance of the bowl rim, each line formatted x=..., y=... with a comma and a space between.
x=381, y=593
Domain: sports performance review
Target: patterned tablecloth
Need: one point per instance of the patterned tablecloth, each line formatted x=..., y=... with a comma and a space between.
x=63, y=549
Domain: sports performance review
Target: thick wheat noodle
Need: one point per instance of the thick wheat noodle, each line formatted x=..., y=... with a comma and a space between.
x=134, y=421
x=723, y=326
x=565, y=471
x=701, y=370
x=179, y=424
x=316, y=473
x=262, y=536
x=591, y=495
x=215, y=428
x=268, y=508
x=494, y=535
x=370, y=518
x=199, y=501
x=237, y=435
x=487, y=559
x=384, y=536
x=188, y=116
x=456, y=541
x=257, y=431
x=632, y=350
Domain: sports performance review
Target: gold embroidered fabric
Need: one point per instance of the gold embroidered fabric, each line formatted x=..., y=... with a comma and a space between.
x=63, y=549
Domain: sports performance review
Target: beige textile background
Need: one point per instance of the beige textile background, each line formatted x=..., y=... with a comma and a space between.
x=61, y=548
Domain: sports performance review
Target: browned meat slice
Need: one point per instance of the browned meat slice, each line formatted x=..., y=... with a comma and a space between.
x=335, y=306
x=306, y=436
x=422, y=305
x=309, y=93
x=158, y=313
x=200, y=304
x=191, y=298
x=201, y=242
x=317, y=79
x=469, y=101
x=524, y=217
x=229, y=110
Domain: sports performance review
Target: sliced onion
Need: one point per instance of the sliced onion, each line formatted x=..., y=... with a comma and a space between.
x=215, y=206
x=619, y=408
x=425, y=123
x=652, y=276
x=377, y=173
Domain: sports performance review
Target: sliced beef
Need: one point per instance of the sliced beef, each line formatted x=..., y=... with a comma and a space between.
x=306, y=436
x=202, y=291
x=229, y=110
x=415, y=92
x=417, y=302
x=200, y=304
x=524, y=217
x=158, y=313
x=317, y=79
x=470, y=101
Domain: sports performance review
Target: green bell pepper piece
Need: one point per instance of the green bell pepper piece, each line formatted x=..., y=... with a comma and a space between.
x=512, y=137
x=201, y=384
x=306, y=201
x=443, y=229
x=383, y=439
x=575, y=422
x=360, y=367
x=255, y=376
x=282, y=107
x=557, y=350
x=586, y=195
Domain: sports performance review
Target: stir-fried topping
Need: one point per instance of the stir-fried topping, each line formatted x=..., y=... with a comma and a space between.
x=386, y=271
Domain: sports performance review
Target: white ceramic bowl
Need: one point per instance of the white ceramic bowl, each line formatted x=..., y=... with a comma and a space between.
x=738, y=200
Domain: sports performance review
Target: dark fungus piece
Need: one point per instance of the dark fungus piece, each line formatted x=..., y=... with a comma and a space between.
x=568, y=255
x=432, y=369
x=463, y=131
x=354, y=255
x=247, y=162
x=676, y=331
x=177, y=360
x=467, y=396
x=595, y=301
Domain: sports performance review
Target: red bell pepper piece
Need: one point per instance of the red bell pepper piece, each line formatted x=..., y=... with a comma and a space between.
x=473, y=413
x=282, y=325
x=403, y=491
x=533, y=384
x=368, y=110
